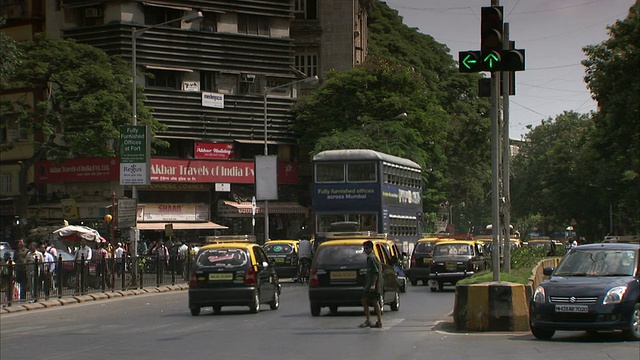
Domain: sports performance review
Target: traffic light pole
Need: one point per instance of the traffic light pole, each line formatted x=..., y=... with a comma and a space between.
x=506, y=155
x=495, y=173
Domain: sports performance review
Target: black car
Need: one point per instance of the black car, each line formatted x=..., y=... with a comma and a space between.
x=595, y=287
x=455, y=260
x=338, y=274
x=284, y=254
x=233, y=274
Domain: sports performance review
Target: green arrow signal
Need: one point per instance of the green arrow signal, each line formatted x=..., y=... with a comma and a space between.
x=492, y=59
x=466, y=62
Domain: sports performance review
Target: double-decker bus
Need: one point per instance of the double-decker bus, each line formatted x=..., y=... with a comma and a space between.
x=366, y=190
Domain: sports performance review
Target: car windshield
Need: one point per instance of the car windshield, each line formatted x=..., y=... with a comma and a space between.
x=278, y=249
x=222, y=258
x=350, y=255
x=424, y=248
x=598, y=262
x=453, y=249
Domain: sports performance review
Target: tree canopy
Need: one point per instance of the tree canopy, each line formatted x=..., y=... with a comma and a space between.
x=87, y=96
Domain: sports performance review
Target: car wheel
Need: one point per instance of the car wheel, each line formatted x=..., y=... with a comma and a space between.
x=434, y=289
x=315, y=310
x=255, y=305
x=542, y=334
x=633, y=332
x=217, y=309
x=71, y=280
x=395, y=305
x=275, y=303
x=195, y=311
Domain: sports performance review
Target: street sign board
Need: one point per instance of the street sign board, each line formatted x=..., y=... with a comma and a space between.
x=135, y=155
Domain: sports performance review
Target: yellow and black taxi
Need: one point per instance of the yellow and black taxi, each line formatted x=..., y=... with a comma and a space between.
x=421, y=259
x=397, y=261
x=228, y=273
x=455, y=260
x=338, y=272
x=284, y=254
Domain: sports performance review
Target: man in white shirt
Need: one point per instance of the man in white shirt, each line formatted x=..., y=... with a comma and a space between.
x=49, y=268
x=83, y=252
x=118, y=254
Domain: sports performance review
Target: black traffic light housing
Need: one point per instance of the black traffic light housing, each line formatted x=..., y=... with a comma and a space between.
x=491, y=28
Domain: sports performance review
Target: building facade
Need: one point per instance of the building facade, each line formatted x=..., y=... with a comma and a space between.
x=206, y=81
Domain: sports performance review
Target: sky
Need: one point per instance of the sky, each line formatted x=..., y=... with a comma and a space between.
x=552, y=32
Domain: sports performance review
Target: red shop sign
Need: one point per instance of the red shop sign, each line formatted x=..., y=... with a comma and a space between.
x=213, y=151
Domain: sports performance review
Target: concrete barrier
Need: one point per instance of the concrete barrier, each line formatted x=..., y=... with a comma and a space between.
x=494, y=306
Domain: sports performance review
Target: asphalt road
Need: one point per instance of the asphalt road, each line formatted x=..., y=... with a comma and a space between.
x=159, y=326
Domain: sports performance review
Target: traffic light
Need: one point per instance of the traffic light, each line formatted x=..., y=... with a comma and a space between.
x=491, y=37
x=491, y=29
x=512, y=60
x=470, y=61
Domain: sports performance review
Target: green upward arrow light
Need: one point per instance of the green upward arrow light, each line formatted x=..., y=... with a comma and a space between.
x=468, y=61
x=492, y=59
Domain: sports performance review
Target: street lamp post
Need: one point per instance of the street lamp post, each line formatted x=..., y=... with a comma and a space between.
x=135, y=33
x=266, y=91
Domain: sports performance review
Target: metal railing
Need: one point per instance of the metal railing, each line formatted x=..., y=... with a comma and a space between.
x=37, y=280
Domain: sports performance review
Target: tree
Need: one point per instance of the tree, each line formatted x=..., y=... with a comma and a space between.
x=9, y=56
x=86, y=96
x=612, y=76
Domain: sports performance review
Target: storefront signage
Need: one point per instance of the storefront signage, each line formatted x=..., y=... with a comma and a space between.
x=214, y=100
x=173, y=212
x=203, y=171
x=213, y=151
x=77, y=170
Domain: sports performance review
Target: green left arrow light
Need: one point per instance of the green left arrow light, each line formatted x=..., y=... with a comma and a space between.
x=469, y=61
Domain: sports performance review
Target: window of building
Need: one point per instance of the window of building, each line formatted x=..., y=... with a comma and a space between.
x=154, y=15
x=306, y=9
x=5, y=183
x=253, y=25
x=12, y=131
x=209, y=22
x=307, y=64
x=208, y=81
x=162, y=78
x=90, y=16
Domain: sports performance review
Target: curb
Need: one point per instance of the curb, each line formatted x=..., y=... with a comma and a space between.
x=77, y=299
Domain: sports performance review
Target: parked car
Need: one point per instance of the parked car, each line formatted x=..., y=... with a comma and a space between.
x=284, y=254
x=421, y=260
x=233, y=274
x=338, y=274
x=455, y=260
x=595, y=287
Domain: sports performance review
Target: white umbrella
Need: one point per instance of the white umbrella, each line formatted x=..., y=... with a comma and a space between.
x=78, y=232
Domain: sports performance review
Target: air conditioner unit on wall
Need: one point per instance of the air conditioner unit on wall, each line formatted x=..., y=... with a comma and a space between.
x=248, y=78
x=92, y=12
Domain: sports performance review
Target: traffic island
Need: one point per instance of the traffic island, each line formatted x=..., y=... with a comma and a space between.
x=494, y=306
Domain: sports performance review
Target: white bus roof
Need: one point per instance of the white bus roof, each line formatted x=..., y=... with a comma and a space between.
x=362, y=154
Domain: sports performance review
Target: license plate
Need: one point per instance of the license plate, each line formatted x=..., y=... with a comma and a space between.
x=280, y=260
x=221, y=276
x=572, y=308
x=343, y=275
x=451, y=266
x=426, y=260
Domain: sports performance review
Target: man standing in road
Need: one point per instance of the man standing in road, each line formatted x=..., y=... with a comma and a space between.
x=372, y=286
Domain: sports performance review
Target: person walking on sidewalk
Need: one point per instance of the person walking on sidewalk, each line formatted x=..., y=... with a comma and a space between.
x=372, y=287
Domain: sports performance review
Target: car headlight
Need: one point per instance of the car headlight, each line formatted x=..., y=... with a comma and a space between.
x=539, y=295
x=614, y=295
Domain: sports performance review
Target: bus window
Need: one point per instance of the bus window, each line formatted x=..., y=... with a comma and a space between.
x=329, y=172
x=361, y=172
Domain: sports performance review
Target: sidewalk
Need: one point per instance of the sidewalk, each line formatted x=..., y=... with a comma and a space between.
x=76, y=299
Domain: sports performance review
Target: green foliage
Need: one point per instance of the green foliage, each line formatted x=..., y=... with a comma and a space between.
x=9, y=56
x=523, y=261
x=612, y=75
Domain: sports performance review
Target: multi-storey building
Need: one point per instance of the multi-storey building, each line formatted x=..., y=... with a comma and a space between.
x=206, y=81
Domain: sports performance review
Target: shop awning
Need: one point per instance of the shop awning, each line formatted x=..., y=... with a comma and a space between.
x=182, y=226
x=229, y=208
